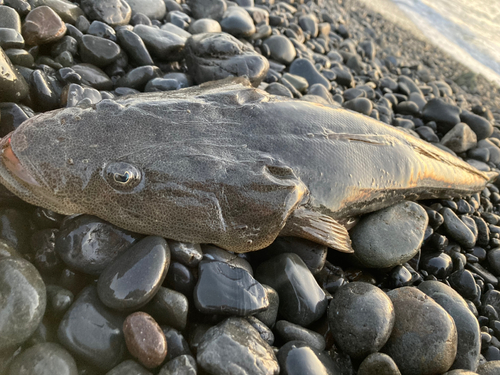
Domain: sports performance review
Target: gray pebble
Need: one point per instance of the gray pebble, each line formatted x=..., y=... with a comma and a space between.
x=293, y=332
x=460, y=138
x=44, y=359
x=378, y=364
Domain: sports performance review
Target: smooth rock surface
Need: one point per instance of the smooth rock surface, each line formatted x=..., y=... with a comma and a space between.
x=181, y=365
x=13, y=86
x=128, y=367
x=460, y=138
x=112, y=12
x=153, y=9
x=297, y=358
x=42, y=25
x=169, y=307
x=378, y=363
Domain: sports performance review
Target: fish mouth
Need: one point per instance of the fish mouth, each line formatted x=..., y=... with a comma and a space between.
x=15, y=177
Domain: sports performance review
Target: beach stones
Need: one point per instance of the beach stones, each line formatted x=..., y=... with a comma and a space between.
x=135, y=276
x=128, y=367
x=112, y=12
x=181, y=365
x=235, y=346
x=296, y=358
x=153, y=9
x=223, y=289
x=306, y=69
x=237, y=22
x=460, y=138
x=378, y=363
x=445, y=115
x=213, y=9
x=42, y=25
x=98, y=51
x=93, y=332
x=23, y=301
x=13, y=87
x=390, y=236
x=44, y=359
x=361, y=317
x=9, y=19
x=479, y=125
x=292, y=332
x=302, y=301
x=163, y=44
x=424, y=337
x=145, y=339
x=213, y=56
x=169, y=307
x=457, y=229
x=282, y=50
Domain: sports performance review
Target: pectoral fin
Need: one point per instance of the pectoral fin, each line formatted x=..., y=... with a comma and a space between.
x=319, y=228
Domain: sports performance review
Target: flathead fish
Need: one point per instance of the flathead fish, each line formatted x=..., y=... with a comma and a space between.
x=225, y=163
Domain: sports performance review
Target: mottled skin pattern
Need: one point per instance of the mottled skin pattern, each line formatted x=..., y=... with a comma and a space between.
x=225, y=164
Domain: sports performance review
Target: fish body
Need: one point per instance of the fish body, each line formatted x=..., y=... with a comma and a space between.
x=224, y=163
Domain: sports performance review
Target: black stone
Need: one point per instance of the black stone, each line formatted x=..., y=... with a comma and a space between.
x=304, y=68
x=169, y=307
x=13, y=87
x=481, y=126
x=298, y=358
x=135, y=47
x=457, y=229
x=289, y=332
x=445, y=115
x=163, y=44
x=98, y=51
x=361, y=105
x=138, y=78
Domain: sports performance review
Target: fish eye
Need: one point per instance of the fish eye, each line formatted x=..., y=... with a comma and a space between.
x=122, y=176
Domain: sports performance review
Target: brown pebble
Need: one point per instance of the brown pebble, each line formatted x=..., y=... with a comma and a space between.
x=42, y=25
x=145, y=339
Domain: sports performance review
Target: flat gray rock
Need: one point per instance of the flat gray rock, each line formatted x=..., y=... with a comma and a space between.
x=391, y=236
x=154, y=9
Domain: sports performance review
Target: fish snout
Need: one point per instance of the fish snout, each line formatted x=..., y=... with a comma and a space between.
x=12, y=163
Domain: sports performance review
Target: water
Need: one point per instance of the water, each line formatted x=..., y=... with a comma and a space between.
x=468, y=30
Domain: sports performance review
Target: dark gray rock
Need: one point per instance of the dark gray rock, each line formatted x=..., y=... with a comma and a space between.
x=23, y=301
x=427, y=134
x=302, y=301
x=9, y=18
x=437, y=264
x=13, y=87
x=463, y=282
x=481, y=126
x=494, y=260
x=169, y=307
x=153, y=9
x=264, y=331
x=361, y=105
x=93, y=76
x=268, y=316
x=58, y=301
x=44, y=359
x=460, y=138
x=276, y=88
x=489, y=368
x=234, y=346
x=204, y=25
x=213, y=56
x=212, y=252
x=445, y=115
x=93, y=332
x=305, y=68
x=457, y=229
x=135, y=276
x=163, y=44
x=378, y=363
x=292, y=332
x=237, y=22
x=112, y=12
x=176, y=343
x=282, y=50
x=223, y=289
x=297, y=358
x=139, y=77
x=10, y=38
x=424, y=337
x=134, y=46
x=390, y=236
x=128, y=367
x=181, y=365
x=468, y=331
x=42, y=25
x=213, y=9
x=188, y=254
x=357, y=330
x=98, y=51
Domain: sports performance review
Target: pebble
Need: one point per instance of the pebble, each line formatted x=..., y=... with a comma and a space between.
x=88, y=244
x=23, y=297
x=169, y=307
x=298, y=358
x=98, y=51
x=139, y=77
x=489, y=368
x=457, y=229
x=234, y=346
x=112, y=12
x=153, y=9
x=460, y=138
x=305, y=68
x=181, y=365
x=93, y=76
x=438, y=264
x=176, y=343
x=378, y=363
x=302, y=301
x=237, y=22
x=188, y=254
x=58, y=301
x=93, y=332
x=204, y=25
x=212, y=56
x=44, y=359
x=135, y=276
x=361, y=318
x=282, y=50
x=390, y=236
x=180, y=278
x=445, y=115
x=268, y=316
x=211, y=252
x=468, y=331
x=292, y=332
x=424, y=337
x=42, y=25
x=128, y=367
x=13, y=87
x=494, y=260
x=361, y=105
x=9, y=18
x=463, y=282
x=481, y=126
x=10, y=38
x=145, y=339
x=163, y=44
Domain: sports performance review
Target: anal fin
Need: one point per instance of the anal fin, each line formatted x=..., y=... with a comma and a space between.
x=314, y=226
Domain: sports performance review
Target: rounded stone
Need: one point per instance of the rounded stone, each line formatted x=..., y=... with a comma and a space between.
x=204, y=25
x=169, y=307
x=134, y=277
x=361, y=317
x=145, y=339
x=424, y=338
x=42, y=25
x=306, y=69
x=183, y=364
x=391, y=236
x=9, y=18
x=460, y=138
x=128, y=367
x=298, y=358
x=98, y=51
x=44, y=359
x=293, y=332
x=361, y=105
x=22, y=301
x=112, y=12
x=378, y=363
x=13, y=86
x=282, y=50
x=153, y=9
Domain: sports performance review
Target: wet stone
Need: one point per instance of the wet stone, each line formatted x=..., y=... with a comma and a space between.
x=176, y=343
x=178, y=19
x=296, y=358
x=361, y=105
x=469, y=336
x=23, y=298
x=264, y=331
x=234, y=345
x=42, y=25
x=134, y=277
x=378, y=363
x=237, y=22
x=437, y=264
x=58, y=301
x=268, y=316
x=10, y=38
x=15, y=229
x=181, y=365
x=213, y=56
x=305, y=68
x=9, y=18
x=98, y=51
x=138, y=78
x=213, y=9
x=112, y=12
x=74, y=95
x=92, y=332
x=44, y=359
x=457, y=229
x=128, y=367
x=445, y=115
x=462, y=281
x=13, y=87
x=298, y=82
x=211, y=252
x=169, y=307
x=163, y=44
x=302, y=301
x=290, y=332
x=204, y=25
x=460, y=138
x=494, y=260
x=390, y=236
x=93, y=76
x=153, y=9
x=135, y=47
x=145, y=339
x=424, y=337
x=180, y=278
x=479, y=125
x=223, y=289
x=357, y=330
x=88, y=244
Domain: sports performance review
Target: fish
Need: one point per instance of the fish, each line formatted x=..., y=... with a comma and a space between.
x=227, y=164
